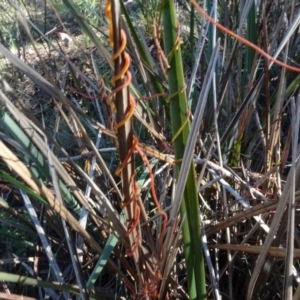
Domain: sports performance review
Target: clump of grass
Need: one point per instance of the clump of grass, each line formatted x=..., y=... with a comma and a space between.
x=224, y=161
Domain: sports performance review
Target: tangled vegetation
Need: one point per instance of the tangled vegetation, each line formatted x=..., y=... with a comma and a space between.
x=149, y=150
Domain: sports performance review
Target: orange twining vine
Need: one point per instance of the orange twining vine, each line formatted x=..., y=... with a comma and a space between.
x=125, y=76
x=243, y=40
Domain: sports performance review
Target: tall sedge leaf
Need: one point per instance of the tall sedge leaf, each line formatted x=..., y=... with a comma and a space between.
x=180, y=129
x=102, y=261
x=252, y=37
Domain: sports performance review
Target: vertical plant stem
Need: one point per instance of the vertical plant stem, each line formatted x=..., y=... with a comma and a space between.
x=180, y=128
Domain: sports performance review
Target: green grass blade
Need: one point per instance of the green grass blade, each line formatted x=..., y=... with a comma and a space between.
x=142, y=52
x=252, y=37
x=180, y=128
x=18, y=184
x=107, y=250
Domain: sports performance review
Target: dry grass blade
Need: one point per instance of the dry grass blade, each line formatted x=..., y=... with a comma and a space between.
x=14, y=296
x=273, y=228
x=84, y=212
x=232, y=175
x=212, y=272
x=47, y=248
x=242, y=216
x=273, y=137
x=288, y=286
x=272, y=251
